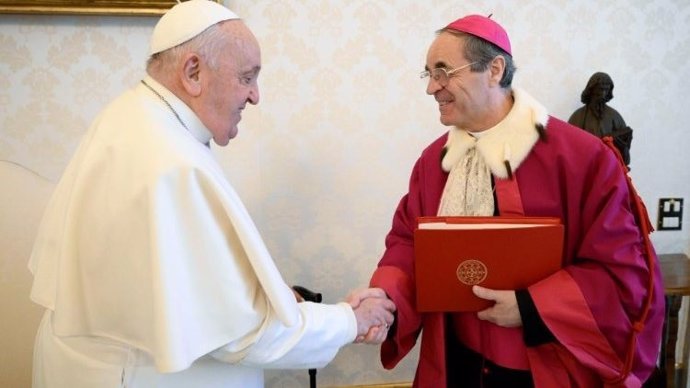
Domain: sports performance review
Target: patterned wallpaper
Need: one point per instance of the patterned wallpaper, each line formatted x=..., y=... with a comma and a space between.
x=323, y=159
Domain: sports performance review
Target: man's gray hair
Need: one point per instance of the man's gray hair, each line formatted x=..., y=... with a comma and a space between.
x=208, y=45
x=483, y=52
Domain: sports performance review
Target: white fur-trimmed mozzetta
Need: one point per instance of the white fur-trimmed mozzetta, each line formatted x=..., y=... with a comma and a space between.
x=510, y=140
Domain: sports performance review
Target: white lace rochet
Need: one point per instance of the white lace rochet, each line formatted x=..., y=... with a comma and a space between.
x=468, y=188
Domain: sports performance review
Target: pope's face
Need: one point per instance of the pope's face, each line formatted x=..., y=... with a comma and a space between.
x=462, y=100
x=231, y=83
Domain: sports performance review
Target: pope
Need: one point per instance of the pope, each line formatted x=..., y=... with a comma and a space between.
x=150, y=269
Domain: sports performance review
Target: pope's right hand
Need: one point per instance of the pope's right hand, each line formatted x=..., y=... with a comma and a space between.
x=374, y=313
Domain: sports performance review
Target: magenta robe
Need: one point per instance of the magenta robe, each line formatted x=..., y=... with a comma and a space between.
x=589, y=306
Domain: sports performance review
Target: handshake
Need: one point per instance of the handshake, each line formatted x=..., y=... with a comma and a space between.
x=374, y=313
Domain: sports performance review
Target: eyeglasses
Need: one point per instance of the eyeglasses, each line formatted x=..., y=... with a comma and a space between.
x=441, y=75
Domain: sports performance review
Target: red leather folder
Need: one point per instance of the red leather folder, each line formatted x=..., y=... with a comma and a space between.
x=504, y=253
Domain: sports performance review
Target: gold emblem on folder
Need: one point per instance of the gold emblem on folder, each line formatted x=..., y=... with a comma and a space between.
x=471, y=272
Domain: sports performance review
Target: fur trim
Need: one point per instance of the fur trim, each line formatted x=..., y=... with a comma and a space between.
x=506, y=144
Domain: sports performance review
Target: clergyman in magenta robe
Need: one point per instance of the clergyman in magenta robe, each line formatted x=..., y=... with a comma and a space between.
x=594, y=323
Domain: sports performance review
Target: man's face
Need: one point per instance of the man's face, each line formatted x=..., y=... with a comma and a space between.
x=231, y=84
x=462, y=101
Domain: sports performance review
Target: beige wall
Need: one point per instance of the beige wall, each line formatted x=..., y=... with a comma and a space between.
x=324, y=158
x=22, y=199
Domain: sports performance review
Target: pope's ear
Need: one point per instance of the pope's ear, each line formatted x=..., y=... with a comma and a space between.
x=191, y=67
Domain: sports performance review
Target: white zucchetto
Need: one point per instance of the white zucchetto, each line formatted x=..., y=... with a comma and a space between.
x=186, y=20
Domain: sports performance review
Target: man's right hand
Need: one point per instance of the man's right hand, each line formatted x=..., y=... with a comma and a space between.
x=374, y=313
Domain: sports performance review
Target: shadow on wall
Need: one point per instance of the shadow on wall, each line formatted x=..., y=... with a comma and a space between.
x=22, y=200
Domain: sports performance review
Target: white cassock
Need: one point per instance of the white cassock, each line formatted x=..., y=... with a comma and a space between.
x=152, y=272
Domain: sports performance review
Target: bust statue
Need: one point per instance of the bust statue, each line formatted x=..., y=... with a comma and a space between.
x=599, y=119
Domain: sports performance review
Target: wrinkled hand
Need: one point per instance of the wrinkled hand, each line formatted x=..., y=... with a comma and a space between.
x=357, y=296
x=505, y=312
x=374, y=313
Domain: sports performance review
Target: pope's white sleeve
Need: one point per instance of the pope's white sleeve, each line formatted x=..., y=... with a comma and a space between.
x=313, y=342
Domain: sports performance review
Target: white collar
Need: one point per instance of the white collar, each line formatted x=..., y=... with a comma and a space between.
x=191, y=121
x=508, y=141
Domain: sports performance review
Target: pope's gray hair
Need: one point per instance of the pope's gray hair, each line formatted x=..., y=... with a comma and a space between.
x=208, y=45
